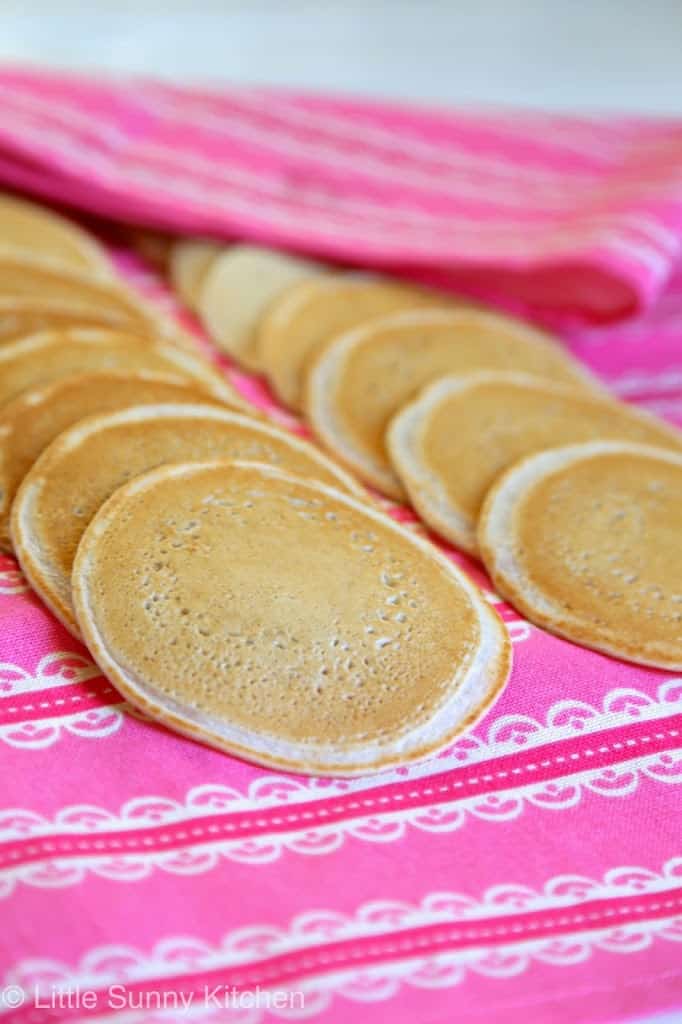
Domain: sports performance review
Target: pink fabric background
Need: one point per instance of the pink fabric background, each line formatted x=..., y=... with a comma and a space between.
x=533, y=872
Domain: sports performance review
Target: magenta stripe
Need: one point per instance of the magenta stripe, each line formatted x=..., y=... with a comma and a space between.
x=333, y=197
x=164, y=208
x=380, y=246
x=356, y=125
x=553, y=761
x=457, y=135
x=419, y=942
x=225, y=140
x=314, y=184
x=55, y=701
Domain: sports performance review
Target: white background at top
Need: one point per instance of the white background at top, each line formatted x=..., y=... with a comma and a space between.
x=562, y=54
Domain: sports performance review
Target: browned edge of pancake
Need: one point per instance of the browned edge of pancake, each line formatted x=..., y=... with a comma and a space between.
x=515, y=593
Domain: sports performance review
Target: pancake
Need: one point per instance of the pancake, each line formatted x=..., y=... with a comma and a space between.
x=28, y=315
x=84, y=465
x=190, y=261
x=363, y=377
x=369, y=649
x=240, y=284
x=35, y=417
x=585, y=541
x=38, y=231
x=26, y=277
x=314, y=310
x=450, y=444
x=45, y=357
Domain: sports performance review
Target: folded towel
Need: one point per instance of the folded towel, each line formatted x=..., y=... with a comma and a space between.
x=582, y=214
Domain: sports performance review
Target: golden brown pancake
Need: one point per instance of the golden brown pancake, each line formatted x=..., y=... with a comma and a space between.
x=361, y=378
x=449, y=445
x=236, y=291
x=190, y=261
x=25, y=277
x=30, y=314
x=585, y=541
x=39, y=231
x=282, y=621
x=35, y=417
x=83, y=466
x=45, y=357
x=312, y=311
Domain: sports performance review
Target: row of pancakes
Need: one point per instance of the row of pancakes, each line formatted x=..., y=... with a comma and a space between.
x=230, y=579
x=248, y=592
x=503, y=443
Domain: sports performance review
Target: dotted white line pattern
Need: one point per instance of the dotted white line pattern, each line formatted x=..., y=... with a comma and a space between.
x=185, y=848
x=409, y=937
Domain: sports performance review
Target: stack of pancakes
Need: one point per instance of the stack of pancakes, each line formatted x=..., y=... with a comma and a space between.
x=242, y=586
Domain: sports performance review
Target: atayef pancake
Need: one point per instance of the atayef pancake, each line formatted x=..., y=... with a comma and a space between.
x=38, y=231
x=237, y=289
x=34, y=418
x=44, y=357
x=314, y=310
x=369, y=649
x=83, y=466
x=30, y=314
x=585, y=541
x=189, y=262
x=450, y=444
x=361, y=378
x=23, y=276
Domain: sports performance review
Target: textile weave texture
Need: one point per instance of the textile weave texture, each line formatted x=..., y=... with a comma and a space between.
x=533, y=871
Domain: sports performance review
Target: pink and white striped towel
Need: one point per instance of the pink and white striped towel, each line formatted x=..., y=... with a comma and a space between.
x=578, y=214
x=533, y=872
